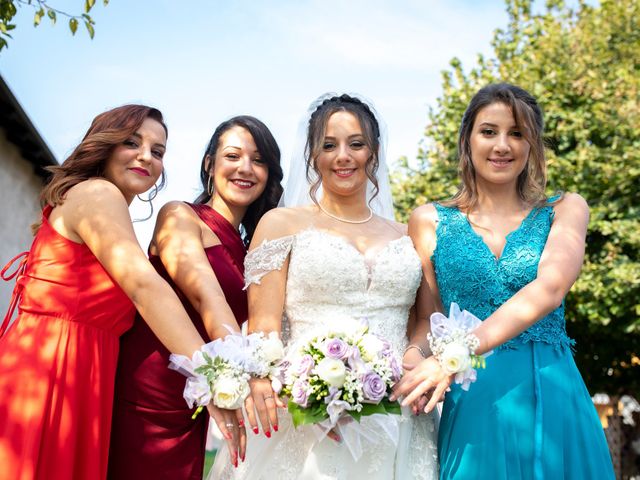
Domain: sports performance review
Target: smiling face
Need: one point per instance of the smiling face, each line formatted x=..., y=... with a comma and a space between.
x=343, y=159
x=499, y=152
x=239, y=173
x=136, y=164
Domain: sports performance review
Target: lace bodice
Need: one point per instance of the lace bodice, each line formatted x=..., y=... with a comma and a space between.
x=468, y=273
x=330, y=280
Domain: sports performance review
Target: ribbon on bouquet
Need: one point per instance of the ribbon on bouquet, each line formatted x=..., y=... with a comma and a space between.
x=373, y=429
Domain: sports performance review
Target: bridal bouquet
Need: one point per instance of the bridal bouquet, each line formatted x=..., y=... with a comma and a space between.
x=342, y=370
x=220, y=370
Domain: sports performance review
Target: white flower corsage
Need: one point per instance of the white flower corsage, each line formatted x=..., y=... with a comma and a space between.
x=220, y=370
x=453, y=343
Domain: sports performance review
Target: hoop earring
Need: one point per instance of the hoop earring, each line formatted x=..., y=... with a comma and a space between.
x=210, y=185
x=152, y=195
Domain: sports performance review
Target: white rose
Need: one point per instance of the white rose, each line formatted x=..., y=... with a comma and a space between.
x=455, y=358
x=230, y=392
x=272, y=348
x=331, y=371
x=371, y=346
x=197, y=391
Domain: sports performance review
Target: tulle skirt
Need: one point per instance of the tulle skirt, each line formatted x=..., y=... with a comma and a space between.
x=528, y=416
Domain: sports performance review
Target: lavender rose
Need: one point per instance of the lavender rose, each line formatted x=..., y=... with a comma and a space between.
x=303, y=365
x=373, y=388
x=336, y=348
x=396, y=371
x=299, y=393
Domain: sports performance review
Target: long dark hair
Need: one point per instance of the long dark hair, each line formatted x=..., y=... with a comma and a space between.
x=318, y=127
x=527, y=114
x=269, y=153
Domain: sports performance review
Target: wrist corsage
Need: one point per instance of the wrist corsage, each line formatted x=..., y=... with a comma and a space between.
x=453, y=343
x=220, y=370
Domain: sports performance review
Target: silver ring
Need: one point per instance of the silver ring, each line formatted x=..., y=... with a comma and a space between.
x=229, y=425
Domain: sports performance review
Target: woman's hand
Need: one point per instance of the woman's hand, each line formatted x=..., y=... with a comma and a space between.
x=426, y=376
x=265, y=402
x=231, y=425
x=411, y=358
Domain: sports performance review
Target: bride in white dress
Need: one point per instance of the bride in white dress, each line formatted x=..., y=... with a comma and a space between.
x=329, y=259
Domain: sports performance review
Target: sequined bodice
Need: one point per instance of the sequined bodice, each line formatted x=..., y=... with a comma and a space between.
x=469, y=274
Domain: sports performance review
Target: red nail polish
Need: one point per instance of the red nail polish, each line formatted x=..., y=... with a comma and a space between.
x=255, y=430
x=275, y=427
x=241, y=423
x=242, y=458
x=268, y=434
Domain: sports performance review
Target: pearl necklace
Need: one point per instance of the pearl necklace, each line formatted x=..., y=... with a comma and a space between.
x=329, y=214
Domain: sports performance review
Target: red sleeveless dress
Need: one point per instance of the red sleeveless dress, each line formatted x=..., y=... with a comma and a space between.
x=153, y=434
x=58, y=362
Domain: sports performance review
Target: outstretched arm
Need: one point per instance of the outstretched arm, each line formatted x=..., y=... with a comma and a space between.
x=179, y=241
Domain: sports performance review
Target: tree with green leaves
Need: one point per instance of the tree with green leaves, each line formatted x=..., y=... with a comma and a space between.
x=42, y=9
x=583, y=66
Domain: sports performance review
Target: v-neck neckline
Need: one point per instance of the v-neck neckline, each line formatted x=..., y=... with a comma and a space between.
x=506, y=238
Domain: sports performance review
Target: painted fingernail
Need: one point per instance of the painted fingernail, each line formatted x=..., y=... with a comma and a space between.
x=242, y=458
x=228, y=436
x=255, y=430
x=241, y=423
x=268, y=433
x=275, y=427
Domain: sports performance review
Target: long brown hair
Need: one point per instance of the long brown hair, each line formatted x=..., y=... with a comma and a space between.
x=89, y=158
x=527, y=114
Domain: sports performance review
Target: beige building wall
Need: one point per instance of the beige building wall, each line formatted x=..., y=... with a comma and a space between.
x=19, y=208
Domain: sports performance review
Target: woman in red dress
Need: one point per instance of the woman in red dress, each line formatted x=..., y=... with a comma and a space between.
x=77, y=290
x=198, y=249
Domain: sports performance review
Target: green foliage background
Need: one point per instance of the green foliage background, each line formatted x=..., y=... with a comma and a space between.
x=583, y=66
x=42, y=9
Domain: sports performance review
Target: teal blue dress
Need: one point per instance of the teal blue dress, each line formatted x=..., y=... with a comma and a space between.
x=529, y=414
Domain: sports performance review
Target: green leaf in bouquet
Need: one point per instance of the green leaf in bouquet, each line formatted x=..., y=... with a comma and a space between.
x=306, y=416
x=385, y=407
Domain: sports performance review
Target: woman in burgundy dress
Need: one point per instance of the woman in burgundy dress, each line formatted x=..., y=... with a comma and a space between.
x=198, y=248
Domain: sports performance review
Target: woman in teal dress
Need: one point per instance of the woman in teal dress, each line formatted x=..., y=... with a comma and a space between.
x=508, y=254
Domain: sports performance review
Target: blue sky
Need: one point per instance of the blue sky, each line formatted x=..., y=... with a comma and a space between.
x=201, y=62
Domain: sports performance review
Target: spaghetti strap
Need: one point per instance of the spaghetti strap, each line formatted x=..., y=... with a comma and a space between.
x=17, y=291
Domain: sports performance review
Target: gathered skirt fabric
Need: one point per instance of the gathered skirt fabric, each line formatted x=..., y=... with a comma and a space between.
x=529, y=416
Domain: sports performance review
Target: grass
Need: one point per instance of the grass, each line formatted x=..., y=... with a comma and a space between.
x=209, y=457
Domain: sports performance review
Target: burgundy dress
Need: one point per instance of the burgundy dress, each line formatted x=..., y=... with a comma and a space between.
x=153, y=435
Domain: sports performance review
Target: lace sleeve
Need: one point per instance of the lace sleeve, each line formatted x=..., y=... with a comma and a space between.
x=269, y=256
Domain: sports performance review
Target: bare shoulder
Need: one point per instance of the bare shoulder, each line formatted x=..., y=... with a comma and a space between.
x=571, y=205
x=176, y=209
x=425, y=216
x=282, y=222
x=400, y=228
x=92, y=190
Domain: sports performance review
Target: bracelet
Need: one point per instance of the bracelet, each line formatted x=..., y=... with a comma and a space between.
x=417, y=347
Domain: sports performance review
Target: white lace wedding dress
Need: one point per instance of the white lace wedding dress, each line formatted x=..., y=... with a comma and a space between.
x=329, y=279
